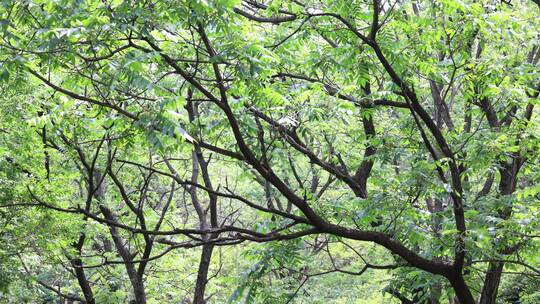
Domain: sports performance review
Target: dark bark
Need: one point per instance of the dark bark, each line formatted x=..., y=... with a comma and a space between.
x=274, y=20
x=401, y=297
x=441, y=108
x=202, y=274
x=76, y=263
x=491, y=115
x=363, y=172
x=491, y=283
x=95, y=189
x=198, y=161
x=463, y=293
x=136, y=281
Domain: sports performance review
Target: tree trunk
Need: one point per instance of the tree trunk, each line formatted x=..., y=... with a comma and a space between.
x=507, y=186
x=202, y=275
x=76, y=263
x=491, y=283
x=462, y=291
x=136, y=281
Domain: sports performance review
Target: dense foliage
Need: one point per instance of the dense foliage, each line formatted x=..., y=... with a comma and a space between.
x=229, y=151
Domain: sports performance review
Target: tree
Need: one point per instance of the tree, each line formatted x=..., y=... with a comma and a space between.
x=411, y=125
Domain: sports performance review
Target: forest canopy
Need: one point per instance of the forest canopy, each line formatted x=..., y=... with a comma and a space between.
x=269, y=151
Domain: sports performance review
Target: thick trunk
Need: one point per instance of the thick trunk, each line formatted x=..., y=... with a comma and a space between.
x=202, y=275
x=140, y=295
x=136, y=284
x=462, y=291
x=491, y=283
